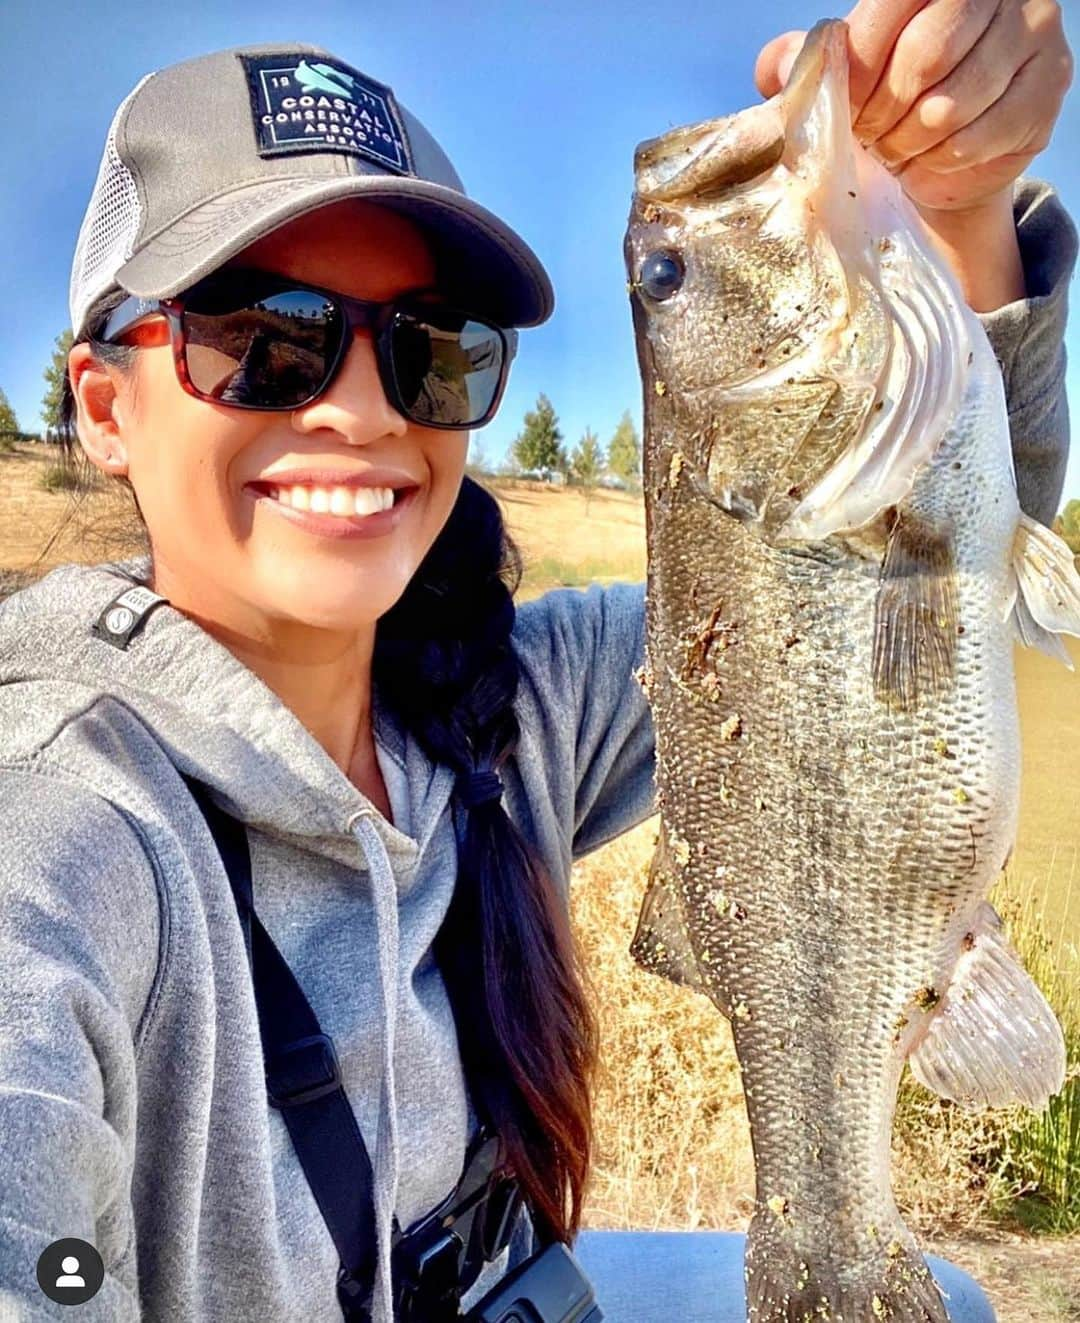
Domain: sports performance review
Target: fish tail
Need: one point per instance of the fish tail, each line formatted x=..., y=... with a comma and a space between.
x=786, y=1284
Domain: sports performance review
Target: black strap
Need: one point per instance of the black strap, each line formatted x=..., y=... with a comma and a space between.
x=303, y=1080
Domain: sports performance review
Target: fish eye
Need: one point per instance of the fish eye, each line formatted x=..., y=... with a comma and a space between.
x=662, y=274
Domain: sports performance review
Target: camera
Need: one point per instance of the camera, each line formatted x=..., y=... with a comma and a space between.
x=548, y=1288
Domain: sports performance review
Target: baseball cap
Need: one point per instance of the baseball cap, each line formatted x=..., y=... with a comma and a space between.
x=207, y=155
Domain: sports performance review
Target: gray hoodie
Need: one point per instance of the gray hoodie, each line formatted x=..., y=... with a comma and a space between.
x=133, y=1110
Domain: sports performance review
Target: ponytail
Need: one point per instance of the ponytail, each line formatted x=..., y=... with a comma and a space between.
x=445, y=664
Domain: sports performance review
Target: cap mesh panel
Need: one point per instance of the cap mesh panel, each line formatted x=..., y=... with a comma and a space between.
x=107, y=235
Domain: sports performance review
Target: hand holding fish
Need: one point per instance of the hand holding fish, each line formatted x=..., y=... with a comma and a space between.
x=956, y=97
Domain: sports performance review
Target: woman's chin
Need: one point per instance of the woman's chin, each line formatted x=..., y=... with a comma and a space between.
x=333, y=601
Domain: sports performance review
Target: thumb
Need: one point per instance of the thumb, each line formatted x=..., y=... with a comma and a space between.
x=774, y=62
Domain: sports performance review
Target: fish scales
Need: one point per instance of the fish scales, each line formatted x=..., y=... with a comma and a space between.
x=837, y=566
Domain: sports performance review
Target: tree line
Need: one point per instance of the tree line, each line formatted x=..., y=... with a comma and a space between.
x=50, y=405
x=538, y=449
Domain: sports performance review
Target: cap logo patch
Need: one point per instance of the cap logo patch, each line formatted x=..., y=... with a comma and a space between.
x=301, y=103
x=125, y=614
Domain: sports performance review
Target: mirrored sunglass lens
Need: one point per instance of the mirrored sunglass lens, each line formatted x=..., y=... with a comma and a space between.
x=446, y=374
x=270, y=351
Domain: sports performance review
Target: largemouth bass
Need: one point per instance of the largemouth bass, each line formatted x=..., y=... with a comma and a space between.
x=838, y=567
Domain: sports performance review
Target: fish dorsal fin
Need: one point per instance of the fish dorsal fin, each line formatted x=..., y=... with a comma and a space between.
x=1047, y=600
x=992, y=1040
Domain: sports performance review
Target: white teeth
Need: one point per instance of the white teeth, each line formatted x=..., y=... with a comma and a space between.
x=342, y=501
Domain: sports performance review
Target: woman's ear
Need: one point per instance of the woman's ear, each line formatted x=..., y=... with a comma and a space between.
x=100, y=410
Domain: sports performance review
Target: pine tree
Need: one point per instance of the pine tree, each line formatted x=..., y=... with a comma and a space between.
x=624, y=451
x=8, y=421
x=587, y=463
x=54, y=379
x=536, y=447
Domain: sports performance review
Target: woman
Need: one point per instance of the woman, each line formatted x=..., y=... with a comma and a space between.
x=415, y=764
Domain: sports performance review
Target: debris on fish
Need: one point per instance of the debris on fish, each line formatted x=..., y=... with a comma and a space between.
x=828, y=465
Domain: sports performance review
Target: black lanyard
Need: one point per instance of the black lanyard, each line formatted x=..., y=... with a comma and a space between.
x=304, y=1082
x=439, y=1258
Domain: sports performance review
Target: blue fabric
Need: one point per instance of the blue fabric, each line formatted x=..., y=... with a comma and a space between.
x=697, y=1277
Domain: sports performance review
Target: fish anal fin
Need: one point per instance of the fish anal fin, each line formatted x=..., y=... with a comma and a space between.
x=915, y=614
x=1048, y=598
x=992, y=1040
x=661, y=942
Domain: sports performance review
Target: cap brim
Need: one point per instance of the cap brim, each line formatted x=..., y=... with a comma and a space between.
x=495, y=269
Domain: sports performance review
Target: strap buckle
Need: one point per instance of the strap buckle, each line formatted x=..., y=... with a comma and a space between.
x=353, y=1297
x=303, y=1071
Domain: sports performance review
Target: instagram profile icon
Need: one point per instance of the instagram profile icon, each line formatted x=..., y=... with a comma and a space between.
x=70, y=1271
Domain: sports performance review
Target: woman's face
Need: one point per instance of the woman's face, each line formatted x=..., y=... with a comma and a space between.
x=221, y=553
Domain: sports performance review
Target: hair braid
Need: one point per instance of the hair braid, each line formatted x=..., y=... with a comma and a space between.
x=446, y=665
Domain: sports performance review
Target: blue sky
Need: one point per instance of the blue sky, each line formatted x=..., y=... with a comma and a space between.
x=538, y=105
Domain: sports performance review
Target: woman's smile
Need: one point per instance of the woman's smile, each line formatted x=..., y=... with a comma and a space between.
x=327, y=512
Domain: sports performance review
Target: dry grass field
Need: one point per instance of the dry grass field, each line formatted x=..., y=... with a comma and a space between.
x=672, y=1144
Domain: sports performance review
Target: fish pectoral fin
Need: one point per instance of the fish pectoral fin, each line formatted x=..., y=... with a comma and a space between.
x=992, y=1040
x=1047, y=602
x=661, y=942
x=915, y=614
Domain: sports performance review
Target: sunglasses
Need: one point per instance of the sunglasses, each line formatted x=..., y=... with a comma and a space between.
x=257, y=340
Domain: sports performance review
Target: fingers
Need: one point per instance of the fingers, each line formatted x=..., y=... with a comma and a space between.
x=970, y=117
x=873, y=29
x=926, y=51
x=958, y=99
x=1007, y=128
x=873, y=26
x=774, y=62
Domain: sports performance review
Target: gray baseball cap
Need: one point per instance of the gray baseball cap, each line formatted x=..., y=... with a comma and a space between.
x=208, y=155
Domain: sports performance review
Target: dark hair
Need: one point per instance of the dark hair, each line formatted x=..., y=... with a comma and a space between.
x=445, y=661
x=124, y=531
x=445, y=664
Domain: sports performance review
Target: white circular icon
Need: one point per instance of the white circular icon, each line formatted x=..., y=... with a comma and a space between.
x=119, y=619
x=70, y=1271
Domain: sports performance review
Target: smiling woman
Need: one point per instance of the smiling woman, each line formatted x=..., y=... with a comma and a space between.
x=291, y=1022
x=280, y=349
x=242, y=564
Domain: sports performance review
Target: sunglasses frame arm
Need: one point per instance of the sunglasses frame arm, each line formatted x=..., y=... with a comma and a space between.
x=132, y=311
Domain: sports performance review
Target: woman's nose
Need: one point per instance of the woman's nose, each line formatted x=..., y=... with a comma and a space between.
x=354, y=404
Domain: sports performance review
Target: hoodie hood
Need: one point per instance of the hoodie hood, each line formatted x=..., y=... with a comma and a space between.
x=217, y=721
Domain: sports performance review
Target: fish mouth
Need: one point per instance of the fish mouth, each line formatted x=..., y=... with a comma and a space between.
x=699, y=161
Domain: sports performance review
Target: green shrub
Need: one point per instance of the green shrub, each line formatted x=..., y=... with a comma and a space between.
x=58, y=478
x=1040, y=1151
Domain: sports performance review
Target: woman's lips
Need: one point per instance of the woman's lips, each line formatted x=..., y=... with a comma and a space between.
x=339, y=526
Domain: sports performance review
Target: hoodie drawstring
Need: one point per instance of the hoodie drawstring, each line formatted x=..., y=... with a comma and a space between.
x=384, y=899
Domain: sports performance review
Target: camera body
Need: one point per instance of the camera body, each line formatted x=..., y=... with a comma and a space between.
x=548, y=1288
